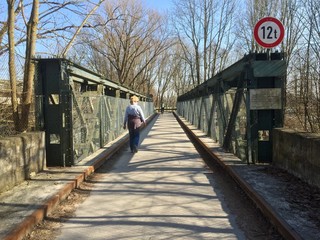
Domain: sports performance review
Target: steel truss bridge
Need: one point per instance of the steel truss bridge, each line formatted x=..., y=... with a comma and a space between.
x=241, y=105
x=81, y=111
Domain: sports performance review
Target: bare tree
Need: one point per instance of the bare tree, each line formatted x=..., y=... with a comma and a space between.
x=131, y=43
x=303, y=96
x=52, y=20
x=12, y=66
x=164, y=74
x=287, y=11
x=222, y=36
x=4, y=25
x=290, y=17
x=254, y=10
x=204, y=29
x=64, y=53
x=26, y=24
x=29, y=67
x=180, y=78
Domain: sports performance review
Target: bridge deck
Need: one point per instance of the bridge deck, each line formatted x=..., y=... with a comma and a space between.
x=163, y=191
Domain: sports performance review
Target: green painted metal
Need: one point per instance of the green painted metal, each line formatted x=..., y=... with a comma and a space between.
x=229, y=117
x=79, y=110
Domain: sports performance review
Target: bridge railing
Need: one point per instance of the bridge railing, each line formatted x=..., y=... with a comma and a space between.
x=240, y=106
x=211, y=113
x=98, y=120
x=79, y=110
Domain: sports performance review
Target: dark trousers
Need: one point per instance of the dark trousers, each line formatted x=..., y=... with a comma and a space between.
x=134, y=124
x=134, y=135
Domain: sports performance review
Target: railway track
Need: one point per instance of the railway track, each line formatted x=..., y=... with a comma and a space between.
x=284, y=229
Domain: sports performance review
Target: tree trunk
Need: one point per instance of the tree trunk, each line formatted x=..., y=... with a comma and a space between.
x=12, y=65
x=29, y=67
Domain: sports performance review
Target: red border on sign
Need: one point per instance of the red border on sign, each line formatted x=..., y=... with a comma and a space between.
x=256, y=29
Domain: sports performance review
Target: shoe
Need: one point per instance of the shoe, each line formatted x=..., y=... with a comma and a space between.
x=135, y=149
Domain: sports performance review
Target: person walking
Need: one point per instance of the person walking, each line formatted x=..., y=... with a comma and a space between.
x=133, y=118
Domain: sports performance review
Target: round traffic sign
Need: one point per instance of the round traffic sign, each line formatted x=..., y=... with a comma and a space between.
x=268, y=32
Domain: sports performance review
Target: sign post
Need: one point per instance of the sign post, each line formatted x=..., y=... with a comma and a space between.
x=268, y=32
x=265, y=92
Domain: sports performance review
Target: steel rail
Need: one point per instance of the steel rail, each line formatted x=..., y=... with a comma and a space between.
x=278, y=222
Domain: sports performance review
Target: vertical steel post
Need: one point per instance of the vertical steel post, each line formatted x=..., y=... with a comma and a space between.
x=249, y=143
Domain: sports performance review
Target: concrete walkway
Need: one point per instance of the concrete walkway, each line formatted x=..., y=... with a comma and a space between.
x=162, y=192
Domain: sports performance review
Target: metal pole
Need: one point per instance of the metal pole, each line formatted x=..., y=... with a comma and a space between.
x=249, y=143
x=248, y=76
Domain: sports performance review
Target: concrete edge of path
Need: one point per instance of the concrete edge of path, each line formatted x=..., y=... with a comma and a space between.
x=29, y=222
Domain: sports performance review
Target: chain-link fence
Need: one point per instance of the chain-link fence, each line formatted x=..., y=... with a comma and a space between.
x=79, y=110
x=6, y=121
x=240, y=106
x=98, y=120
x=211, y=114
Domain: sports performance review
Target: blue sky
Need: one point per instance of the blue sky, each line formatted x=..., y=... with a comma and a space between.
x=161, y=5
